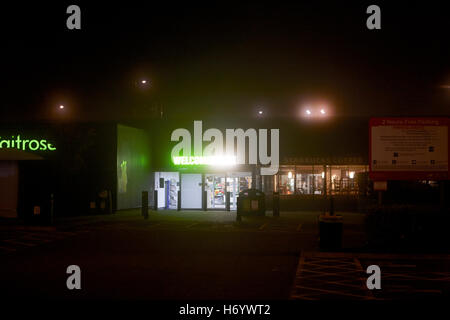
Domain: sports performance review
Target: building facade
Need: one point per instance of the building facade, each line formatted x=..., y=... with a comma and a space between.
x=103, y=167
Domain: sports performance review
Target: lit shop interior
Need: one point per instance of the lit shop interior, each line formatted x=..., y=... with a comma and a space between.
x=310, y=179
x=216, y=186
x=290, y=180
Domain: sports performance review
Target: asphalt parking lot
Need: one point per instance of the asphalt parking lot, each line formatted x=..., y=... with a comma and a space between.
x=207, y=255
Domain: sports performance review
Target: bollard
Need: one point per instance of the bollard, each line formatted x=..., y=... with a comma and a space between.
x=110, y=211
x=204, y=202
x=52, y=202
x=179, y=201
x=227, y=201
x=145, y=204
x=155, y=200
x=331, y=206
x=276, y=204
x=238, y=211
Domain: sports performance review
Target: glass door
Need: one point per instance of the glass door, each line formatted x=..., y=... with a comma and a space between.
x=233, y=188
x=237, y=182
x=215, y=188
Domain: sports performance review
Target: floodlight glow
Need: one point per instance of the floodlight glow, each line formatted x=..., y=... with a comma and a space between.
x=260, y=112
x=61, y=107
x=322, y=111
x=308, y=112
x=144, y=81
x=205, y=160
x=290, y=175
x=351, y=174
x=323, y=175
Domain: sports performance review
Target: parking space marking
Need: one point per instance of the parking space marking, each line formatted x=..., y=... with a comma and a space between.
x=326, y=277
x=28, y=239
x=361, y=278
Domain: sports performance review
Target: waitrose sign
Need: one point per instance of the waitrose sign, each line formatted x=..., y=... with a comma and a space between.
x=17, y=142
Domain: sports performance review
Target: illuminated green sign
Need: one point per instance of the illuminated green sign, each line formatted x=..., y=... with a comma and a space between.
x=25, y=144
x=205, y=160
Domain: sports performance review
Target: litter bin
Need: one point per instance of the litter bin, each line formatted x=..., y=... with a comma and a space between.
x=251, y=202
x=330, y=232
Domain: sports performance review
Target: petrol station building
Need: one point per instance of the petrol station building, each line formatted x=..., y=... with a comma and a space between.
x=310, y=166
x=104, y=167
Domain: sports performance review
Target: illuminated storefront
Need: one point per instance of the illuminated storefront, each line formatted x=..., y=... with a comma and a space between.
x=200, y=190
x=310, y=179
x=317, y=175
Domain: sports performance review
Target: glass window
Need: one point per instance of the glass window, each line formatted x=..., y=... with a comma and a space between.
x=309, y=180
x=286, y=183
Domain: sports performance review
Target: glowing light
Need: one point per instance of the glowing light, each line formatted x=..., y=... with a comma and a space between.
x=290, y=175
x=323, y=175
x=351, y=174
x=260, y=112
x=205, y=160
x=144, y=81
x=308, y=112
x=322, y=111
x=61, y=107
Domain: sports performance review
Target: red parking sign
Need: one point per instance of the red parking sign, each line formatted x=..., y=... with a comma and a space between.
x=408, y=148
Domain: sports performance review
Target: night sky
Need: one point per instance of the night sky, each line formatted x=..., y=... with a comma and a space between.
x=224, y=59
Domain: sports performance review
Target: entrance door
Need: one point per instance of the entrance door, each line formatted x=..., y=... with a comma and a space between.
x=215, y=191
x=233, y=188
x=237, y=182
x=191, y=191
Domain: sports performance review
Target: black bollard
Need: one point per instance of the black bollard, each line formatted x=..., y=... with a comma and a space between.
x=145, y=204
x=331, y=206
x=227, y=201
x=155, y=200
x=238, y=211
x=179, y=201
x=276, y=204
x=204, y=202
x=52, y=206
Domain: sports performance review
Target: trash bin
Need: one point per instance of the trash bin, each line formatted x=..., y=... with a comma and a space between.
x=330, y=232
x=251, y=202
